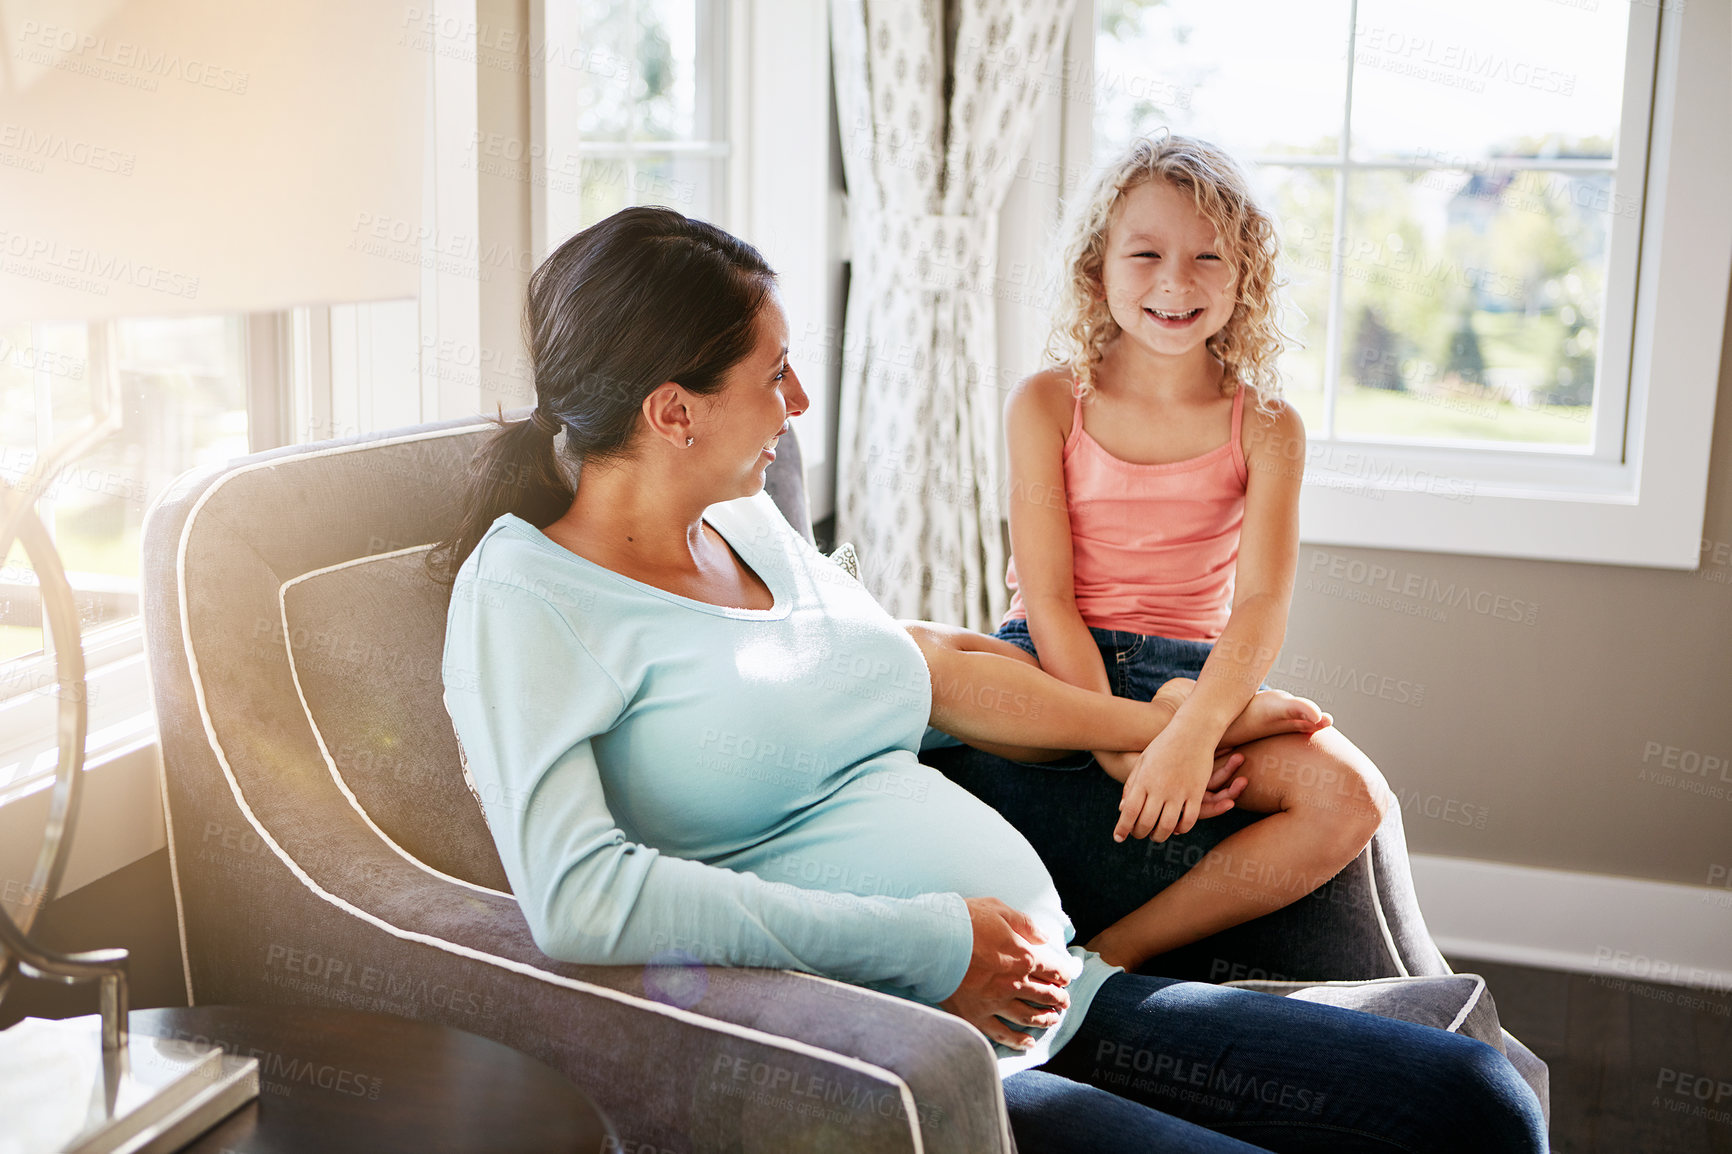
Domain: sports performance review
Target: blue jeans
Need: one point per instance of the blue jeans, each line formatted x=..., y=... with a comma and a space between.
x=1171, y=1065
x=1067, y=808
x=1191, y=1068
x=1137, y=664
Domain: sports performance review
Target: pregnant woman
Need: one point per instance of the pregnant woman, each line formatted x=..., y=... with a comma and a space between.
x=711, y=731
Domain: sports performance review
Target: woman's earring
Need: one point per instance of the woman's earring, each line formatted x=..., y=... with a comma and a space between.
x=689, y=441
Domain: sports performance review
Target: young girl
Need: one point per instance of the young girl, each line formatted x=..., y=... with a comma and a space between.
x=1154, y=528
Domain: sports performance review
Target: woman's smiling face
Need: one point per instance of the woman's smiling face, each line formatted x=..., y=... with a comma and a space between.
x=743, y=421
x=1167, y=283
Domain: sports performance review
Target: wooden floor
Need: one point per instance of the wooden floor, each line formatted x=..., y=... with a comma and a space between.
x=1636, y=1068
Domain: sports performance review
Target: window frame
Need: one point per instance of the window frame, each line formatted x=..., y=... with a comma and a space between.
x=1639, y=496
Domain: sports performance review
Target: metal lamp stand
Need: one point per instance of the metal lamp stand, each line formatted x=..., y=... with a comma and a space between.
x=85, y=1085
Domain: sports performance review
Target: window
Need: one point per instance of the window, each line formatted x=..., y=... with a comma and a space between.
x=193, y=391
x=720, y=109
x=183, y=395
x=1448, y=188
x=652, y=107
x=1463, y=189
x=183, y=400
x=200, y=389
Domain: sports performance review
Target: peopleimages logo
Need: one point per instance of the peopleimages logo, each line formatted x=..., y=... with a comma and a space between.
x=1325, y=568
x=87, y=269
x=87, y=50
x=1370, y=683
x=45, y=146
x=1455, y=65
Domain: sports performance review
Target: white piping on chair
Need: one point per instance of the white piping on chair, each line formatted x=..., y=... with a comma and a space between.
x=1382, y=921
x=744, y=1033
x=318, y=735
x=1467, y=1008
x=168, y=825
x=174, y=881
x=174, y=873
x=1454, y=1025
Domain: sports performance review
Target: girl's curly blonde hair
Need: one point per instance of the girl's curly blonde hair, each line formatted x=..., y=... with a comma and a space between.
x=1251, y=339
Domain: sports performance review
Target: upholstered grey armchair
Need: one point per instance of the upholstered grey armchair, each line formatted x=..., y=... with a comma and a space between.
x=326, y=852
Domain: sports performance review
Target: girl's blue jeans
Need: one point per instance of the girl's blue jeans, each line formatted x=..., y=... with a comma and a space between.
x=1137, y=664
x=1170, y=1065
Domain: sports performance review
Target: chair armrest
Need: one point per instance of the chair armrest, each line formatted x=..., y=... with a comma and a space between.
x=378, y=932
x=675, y=1079
x=948, y=1064
x=1364, y=923
x=947, y=1068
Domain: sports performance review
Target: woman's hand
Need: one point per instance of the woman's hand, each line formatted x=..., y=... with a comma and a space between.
x=1117, y=763
x=1166, y=791
x=1014, y=975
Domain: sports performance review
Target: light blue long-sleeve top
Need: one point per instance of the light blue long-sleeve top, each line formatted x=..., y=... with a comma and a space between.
x=667, y=777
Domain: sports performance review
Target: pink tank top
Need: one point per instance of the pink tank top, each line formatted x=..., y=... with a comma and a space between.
x=1153, y=546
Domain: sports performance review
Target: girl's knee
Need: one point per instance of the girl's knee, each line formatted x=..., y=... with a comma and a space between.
x=1352, y=781
x=1349, y=798
x=1368, y=796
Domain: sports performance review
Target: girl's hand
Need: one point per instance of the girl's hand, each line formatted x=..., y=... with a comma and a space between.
x=1218, y=797
x=1013, y=975
x=1164, y=793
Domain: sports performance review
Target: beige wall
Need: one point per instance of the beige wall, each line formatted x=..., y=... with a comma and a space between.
x=1529, y=742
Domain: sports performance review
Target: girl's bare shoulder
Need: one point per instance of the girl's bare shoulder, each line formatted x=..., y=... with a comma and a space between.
x=1043, y=400
x=1271, y=428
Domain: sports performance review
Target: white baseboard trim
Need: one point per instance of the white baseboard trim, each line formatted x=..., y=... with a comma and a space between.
x=1620, y=928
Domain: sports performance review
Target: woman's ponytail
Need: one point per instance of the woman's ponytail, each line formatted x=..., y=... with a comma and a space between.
x=516, y=470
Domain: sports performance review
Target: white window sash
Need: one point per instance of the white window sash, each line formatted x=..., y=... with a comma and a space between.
x=783, y=161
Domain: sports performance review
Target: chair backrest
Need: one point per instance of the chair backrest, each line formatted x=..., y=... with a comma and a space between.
x=298, y=647
x=367, y=637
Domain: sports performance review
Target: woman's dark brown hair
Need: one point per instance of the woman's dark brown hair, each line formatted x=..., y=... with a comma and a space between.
x=644, y=297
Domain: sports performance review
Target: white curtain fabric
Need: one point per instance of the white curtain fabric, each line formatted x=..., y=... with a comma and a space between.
x=917, y=469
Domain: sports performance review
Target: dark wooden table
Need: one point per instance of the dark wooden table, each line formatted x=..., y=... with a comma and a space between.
x=342, y=1080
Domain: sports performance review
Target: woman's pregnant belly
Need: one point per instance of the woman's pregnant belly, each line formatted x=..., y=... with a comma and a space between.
x=898, y=828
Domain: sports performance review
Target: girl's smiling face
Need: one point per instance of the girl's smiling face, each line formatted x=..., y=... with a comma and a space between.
x=1166, y=281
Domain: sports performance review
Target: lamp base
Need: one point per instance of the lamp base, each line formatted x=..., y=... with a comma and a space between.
x=60, y=1093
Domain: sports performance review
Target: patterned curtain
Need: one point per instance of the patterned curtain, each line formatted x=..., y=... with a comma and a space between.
x=917, y=472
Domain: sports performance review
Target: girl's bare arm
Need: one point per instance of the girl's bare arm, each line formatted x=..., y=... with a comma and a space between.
x=1166, y=789
x=1263, y=584
x=1036, y=417
x=996, y=698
